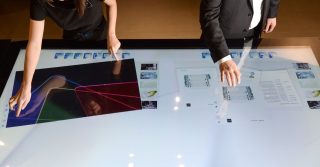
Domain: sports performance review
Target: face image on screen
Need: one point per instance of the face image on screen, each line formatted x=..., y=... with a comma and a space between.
x=69, y=92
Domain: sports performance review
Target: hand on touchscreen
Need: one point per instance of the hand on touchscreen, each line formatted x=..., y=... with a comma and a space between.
x=20, y=101
x=230, y=72
x=113, y=46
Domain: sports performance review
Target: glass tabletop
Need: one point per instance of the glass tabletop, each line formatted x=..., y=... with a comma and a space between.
x=163, y=104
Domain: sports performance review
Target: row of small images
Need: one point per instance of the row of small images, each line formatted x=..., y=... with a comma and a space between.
x=252, y=54
x=307, y=80
x=304, y=72
x=148, y=81
x=311, y=93
x=310, y=87
x=88, y=55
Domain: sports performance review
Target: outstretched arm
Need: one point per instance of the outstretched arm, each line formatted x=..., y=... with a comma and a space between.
x=113, y=42
x=211, y=31
x=23, y=96
x=214, y=39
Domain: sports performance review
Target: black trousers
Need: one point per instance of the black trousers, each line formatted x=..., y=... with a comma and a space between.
x=253, y=33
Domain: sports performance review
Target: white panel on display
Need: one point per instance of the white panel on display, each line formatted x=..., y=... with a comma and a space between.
x=165, y=107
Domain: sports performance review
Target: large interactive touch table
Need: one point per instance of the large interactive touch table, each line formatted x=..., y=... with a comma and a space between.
x=164, y=105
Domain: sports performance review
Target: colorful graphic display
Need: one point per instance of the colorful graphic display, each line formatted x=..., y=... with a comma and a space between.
x=76, y=91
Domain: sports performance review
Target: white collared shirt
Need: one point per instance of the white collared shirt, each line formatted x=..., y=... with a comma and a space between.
x=257, y=9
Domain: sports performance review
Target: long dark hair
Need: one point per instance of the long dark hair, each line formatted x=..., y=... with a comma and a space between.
x=79, y=4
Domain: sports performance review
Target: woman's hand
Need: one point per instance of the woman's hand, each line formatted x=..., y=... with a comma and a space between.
x=113, y=46
x=21, y=99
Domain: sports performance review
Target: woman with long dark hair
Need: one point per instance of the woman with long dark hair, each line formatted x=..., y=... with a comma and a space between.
x=81, y=20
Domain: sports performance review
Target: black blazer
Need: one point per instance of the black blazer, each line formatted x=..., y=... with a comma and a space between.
x=229, y=19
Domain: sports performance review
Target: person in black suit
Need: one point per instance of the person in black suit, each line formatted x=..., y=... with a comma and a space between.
x=234, y=19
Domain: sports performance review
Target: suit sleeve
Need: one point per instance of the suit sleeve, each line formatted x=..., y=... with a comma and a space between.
x=211, y=31
x=273, y=10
